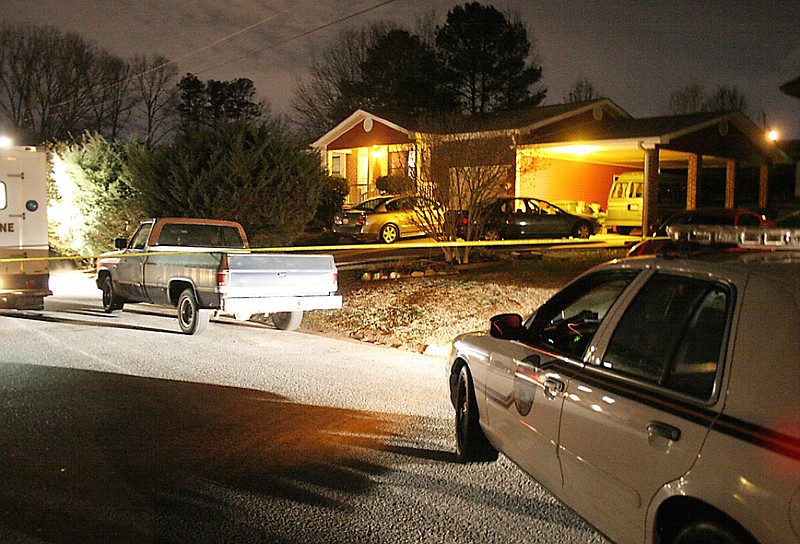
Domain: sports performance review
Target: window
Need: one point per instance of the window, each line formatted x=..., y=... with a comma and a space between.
x=141, y=236
x=672, y=335
x=198, y=235
x=3, y=195
x=568, y=322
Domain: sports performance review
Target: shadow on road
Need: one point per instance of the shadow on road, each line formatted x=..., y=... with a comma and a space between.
x=98, y=457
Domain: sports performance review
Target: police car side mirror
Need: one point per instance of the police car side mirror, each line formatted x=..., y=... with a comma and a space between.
x=506, y=326
x=120, y=243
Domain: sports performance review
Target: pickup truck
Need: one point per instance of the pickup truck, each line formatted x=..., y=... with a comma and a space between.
x=202, y=266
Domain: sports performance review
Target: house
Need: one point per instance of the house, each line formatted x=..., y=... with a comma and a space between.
x=566, y=153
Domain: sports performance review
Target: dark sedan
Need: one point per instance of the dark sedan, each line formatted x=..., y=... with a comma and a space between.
x=520, y=217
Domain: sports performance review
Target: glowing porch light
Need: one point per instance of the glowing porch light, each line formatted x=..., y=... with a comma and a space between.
x=772, y=135
x=5, y=141
x=576, y=150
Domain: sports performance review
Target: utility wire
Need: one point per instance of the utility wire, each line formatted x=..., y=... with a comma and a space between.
x=235, y=34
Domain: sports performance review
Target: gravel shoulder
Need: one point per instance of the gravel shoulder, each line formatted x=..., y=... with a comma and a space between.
x=424, y=314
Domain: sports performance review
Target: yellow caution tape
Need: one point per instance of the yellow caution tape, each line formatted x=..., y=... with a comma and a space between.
x=297, y=249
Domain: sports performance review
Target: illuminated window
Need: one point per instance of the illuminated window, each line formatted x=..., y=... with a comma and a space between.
x=3, y=196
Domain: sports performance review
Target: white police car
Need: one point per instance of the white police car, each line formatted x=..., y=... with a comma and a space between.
x=658, y=397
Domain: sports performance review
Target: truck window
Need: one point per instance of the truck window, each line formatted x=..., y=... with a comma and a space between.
x=3, y=196
x=198, y=235
x=140, y=238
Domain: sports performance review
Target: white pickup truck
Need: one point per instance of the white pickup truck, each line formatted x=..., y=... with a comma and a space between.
x=201, y=266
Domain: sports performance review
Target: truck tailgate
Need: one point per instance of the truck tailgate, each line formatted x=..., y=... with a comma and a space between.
x=253, y=275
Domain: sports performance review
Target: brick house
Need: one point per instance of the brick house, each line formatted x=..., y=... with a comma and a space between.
x=564, y=153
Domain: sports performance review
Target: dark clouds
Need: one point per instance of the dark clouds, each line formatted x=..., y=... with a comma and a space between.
x=635, y=52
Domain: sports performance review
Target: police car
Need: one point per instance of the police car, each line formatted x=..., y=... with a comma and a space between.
x=657, y=396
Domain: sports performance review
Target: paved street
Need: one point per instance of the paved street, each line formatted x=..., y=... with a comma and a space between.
x=116, y=428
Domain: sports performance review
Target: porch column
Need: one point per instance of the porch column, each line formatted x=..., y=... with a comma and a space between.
x=650, y=196
x=797, y=179
x=730, y=182
x=695, y=166
x=763, y=177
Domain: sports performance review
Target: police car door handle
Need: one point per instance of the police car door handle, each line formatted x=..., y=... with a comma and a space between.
x=553, y=386
x=669, y=432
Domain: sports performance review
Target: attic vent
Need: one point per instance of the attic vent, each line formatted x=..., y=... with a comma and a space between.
x=367, y=124
x=597, y=113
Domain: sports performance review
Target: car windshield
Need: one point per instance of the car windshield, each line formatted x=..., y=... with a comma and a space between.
x=371, y=204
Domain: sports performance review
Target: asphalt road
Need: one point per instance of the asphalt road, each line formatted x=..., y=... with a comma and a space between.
x=119, y=429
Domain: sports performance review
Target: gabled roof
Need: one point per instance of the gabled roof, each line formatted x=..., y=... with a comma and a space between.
x=516, y=120
x=792, y=88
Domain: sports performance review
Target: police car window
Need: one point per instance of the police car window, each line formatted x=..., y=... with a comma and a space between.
x=672, y=335
x=568, y=322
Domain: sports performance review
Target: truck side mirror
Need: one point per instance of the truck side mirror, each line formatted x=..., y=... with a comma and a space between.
x=120, y=243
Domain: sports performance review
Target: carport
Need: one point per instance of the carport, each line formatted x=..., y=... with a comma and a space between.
x=691, y=142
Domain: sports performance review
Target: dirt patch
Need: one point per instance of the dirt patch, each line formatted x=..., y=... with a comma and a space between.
x=426, y=313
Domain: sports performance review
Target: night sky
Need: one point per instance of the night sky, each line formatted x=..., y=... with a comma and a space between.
x=634, y=52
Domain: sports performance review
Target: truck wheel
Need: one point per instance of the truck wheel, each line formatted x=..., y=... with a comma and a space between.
x=111, y=302
x=389, y=233
x=286, y=321
x=191, y=319
x=471, y=444
x=624, y=230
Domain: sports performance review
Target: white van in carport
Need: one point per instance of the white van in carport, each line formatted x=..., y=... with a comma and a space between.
x=626, y=200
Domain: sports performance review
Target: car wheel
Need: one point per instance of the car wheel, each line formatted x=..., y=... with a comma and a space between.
x=389, y=233
x=492, y=235
x=710, y=532
x=624, y=230
x=581, y=230
x=472, y=446
x=191, y=318
x=111, y=302
x=286, y=321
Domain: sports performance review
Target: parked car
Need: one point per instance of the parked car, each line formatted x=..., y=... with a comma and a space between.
x=655, y=397
x=521, y=217
x=702, y=216
x=383, y=219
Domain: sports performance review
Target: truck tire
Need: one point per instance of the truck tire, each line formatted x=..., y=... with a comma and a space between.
x=191, y=318
x=111, y=301
x=472, y=446
x=286, y=321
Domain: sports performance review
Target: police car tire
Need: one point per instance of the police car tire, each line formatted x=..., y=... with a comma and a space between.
x=472, y=446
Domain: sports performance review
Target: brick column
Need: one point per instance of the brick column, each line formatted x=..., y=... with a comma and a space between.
x=730, y=182
x=695, y=166
x=650, y=211
x=763, y=177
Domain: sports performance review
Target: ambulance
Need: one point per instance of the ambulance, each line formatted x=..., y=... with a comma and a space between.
x=24, y=270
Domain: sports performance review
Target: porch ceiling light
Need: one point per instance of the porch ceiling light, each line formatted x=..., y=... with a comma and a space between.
x=576, y=150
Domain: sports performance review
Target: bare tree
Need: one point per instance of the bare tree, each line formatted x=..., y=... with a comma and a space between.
x=327, y=97
x=109, y=94
x=581, y=91
x=726, y=99
x=461, y=171
x=694, y=99
x=689, y=99
x=155, y=87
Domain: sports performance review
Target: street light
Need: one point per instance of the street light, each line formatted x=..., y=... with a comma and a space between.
x=772, y=135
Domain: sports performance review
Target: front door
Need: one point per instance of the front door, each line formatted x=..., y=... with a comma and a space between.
x=527, y=378
x=130, y=270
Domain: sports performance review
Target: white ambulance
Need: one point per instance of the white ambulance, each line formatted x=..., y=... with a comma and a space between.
x=24, y=270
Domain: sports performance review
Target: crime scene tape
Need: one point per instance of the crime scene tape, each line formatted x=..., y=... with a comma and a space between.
x=319, y=248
